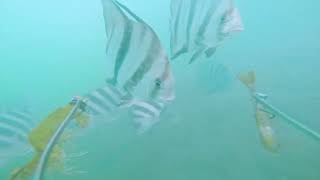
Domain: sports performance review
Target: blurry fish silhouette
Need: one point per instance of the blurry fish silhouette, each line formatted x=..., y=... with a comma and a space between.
x=199, y=27
x=136, y=51
x=14, y=129
x=262, y=116
x=221, y=78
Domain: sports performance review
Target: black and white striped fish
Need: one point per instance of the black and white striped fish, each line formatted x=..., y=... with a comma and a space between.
x=14, y=129
x=16, y=124
x=104, y=101
x=199, y=26
x=135, y=54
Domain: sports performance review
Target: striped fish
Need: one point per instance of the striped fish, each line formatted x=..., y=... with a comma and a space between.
x=147, y=113
x=14, y=129
x=135, y=54
x=104, y=103
x=104, y=100
x=199, y=26
x=16, y=124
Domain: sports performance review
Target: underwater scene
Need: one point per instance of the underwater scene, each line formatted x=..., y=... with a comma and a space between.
x=159, y=90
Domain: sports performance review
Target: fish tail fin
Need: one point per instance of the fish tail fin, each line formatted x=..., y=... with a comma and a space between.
x=248, y=79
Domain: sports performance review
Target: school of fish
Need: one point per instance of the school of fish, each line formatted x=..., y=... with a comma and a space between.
x=139, y=76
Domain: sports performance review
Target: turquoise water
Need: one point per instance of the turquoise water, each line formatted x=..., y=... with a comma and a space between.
x=53, y=50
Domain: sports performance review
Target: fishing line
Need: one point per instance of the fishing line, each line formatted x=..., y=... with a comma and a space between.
x=46, y=154
x=277, y=112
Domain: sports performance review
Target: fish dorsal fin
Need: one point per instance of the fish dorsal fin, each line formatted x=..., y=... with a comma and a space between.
x=112, y=15
x=248, y=79
x=115, y=13
x=127, y=10
x=135, y=17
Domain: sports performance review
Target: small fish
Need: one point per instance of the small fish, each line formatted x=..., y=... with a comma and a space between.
x=199, y=27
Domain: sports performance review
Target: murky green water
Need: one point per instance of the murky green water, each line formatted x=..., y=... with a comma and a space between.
x=53, y=50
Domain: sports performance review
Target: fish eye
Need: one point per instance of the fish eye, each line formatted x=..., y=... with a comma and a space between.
x=158, y=82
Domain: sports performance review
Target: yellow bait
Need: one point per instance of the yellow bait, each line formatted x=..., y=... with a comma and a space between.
x=41, y=135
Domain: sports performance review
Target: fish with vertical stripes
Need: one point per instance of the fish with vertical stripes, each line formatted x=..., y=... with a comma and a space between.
x=135, y=54
x=14, y=129
x=198, y=27
x=102, y=102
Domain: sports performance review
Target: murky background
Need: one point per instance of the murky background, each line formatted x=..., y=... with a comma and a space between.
x=53, y=50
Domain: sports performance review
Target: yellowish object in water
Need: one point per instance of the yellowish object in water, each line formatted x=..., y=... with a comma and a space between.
x=267, y=134
x=248, y=79
x=41, y=135
x=263, y=118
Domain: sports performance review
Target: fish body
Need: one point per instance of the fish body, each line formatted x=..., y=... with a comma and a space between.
x=104, y=104
x=136, y=54
x=199, y=27
x=141, y=71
